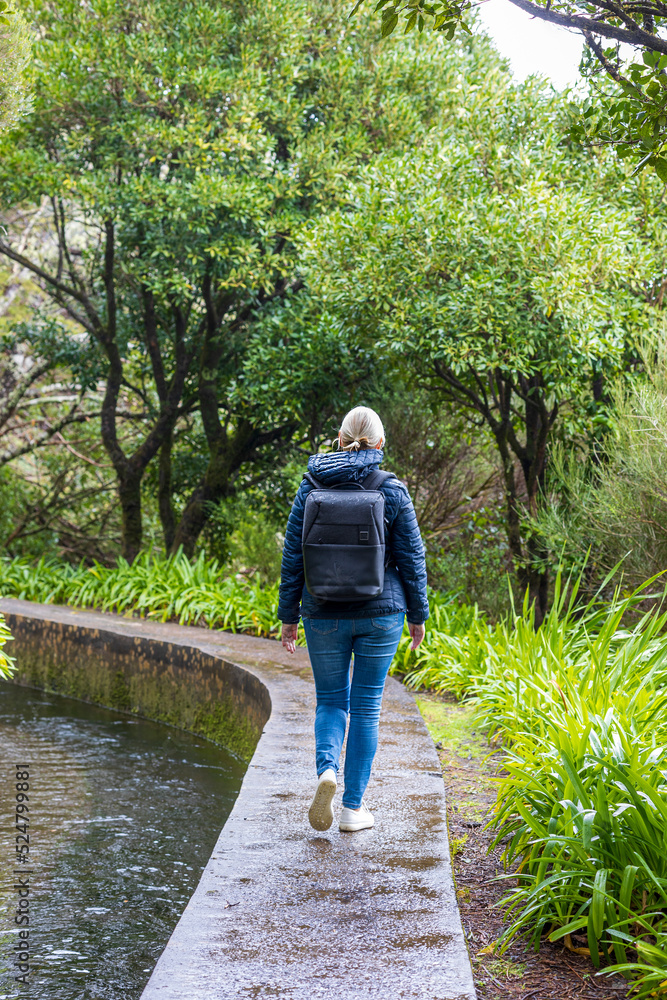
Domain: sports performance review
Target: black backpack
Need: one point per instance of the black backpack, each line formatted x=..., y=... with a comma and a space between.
x=344, y=539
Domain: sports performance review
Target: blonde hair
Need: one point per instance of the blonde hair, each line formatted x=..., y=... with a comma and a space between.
x=361, y=428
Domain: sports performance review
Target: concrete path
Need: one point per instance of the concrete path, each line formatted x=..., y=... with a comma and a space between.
x=282, y=911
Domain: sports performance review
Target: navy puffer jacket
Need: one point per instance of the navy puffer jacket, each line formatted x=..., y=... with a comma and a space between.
x=405, y=576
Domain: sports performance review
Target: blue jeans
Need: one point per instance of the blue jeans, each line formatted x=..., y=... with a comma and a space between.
x=331, y=644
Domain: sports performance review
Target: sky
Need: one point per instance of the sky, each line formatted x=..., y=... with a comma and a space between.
x=532, y=46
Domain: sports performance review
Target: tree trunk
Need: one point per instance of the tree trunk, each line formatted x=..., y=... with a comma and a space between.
x=166, y=508
x=494, y=397
x=226, y=457
x=529, y=556
x=534, y=577
x=129, y=494
x=193, y=519
x=213, y=488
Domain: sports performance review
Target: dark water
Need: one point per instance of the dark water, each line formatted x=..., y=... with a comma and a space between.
x=124, y=815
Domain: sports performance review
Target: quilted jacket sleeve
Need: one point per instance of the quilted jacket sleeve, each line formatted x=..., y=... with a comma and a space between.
x=407, y=549
x=291, y=571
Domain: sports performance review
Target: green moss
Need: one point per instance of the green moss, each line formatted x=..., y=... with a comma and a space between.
x=457, y=844
x=160, y=698
x=222, y=725
x=504, y=969
x=453, y=725
x=464, y=754
x=120, y=692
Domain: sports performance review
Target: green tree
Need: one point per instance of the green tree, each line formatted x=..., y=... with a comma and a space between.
x=627, y=106
x=493, y=265
x=181, y=147
x=14, y=65
x=622, y=21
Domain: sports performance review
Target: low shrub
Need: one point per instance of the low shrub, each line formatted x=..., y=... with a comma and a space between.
x=580, y=707
x=192, y=593
x=6, y=662
x=448, y=658
x=475, y=561
x=614, y=508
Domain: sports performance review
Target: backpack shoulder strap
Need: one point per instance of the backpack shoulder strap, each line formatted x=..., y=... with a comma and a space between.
x=310, y=478
x=374, y=480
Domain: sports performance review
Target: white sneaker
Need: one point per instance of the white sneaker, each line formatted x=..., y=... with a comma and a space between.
x=320, y=813
x=352, y=820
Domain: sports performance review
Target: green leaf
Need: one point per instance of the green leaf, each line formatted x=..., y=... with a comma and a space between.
x=389, y=22
x=598, y=902
x=570, y=928
x=625, y=892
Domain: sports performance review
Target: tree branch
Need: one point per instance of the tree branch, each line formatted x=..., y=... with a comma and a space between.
x=609, y=67
x=463, y=394
x=637, y=36
x=70, y=418
x=20, y=390
x=30, y=265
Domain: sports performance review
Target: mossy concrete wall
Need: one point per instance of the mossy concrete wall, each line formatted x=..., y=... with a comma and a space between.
x=181, y=685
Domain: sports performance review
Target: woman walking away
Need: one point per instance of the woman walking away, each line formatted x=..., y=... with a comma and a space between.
x=353, y=566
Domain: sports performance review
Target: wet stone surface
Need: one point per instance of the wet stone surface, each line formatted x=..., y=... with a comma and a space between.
x=283, y=911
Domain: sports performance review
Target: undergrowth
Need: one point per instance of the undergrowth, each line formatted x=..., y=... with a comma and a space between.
x=580, y=708
x=172, y=589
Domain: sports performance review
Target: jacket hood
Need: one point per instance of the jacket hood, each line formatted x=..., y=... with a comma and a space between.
x=344, y=466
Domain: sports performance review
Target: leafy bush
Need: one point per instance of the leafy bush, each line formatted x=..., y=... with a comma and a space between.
x=476, y=562
x=247, y=540
x=616, y=506
x=6, y=662
x=255, y=548
x=581, y=709
x=449, y=658
x=585, y=808
x=193, y=593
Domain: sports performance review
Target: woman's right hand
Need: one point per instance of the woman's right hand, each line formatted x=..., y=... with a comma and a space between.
x=417, y=632
x=288, y=637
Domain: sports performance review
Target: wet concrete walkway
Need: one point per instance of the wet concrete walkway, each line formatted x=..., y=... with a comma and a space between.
x=282, y=911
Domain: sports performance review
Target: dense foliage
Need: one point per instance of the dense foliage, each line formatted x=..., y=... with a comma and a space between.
x=154, y=196
x=614, y=510
x=225, y=223
x=214, y=279
x=164, y=589
x=506, y=275
x=580, y=708
x=14, y=65
x=627, y=107
x=172, y=589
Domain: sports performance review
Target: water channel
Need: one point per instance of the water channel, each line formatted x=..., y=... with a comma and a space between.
x=124, y=814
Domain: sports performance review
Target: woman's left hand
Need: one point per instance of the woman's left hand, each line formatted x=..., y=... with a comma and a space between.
x=289, y=633
x=417, y=633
